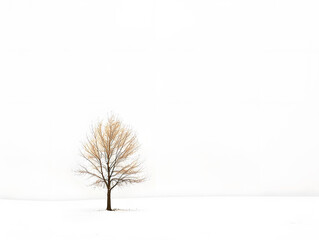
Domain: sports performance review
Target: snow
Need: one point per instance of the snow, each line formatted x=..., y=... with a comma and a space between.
x=163, y=218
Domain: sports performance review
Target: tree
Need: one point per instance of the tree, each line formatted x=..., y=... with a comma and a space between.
x=110, y=154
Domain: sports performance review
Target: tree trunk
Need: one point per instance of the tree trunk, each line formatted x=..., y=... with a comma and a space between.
x=109, y=200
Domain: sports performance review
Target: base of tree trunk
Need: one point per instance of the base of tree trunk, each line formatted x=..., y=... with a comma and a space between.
x=108, y=206
x=109, y=209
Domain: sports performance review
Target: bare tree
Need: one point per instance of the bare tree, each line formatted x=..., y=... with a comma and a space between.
x=111, y=156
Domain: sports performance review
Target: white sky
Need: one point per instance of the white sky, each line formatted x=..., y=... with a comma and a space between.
x=222, y=94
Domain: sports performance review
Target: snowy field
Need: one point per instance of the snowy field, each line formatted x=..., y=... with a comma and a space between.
x=163, y=218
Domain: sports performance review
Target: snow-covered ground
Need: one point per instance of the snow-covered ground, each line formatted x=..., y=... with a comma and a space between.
x=163, y=218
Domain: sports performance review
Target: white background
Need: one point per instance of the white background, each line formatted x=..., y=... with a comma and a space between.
x=222, y=94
